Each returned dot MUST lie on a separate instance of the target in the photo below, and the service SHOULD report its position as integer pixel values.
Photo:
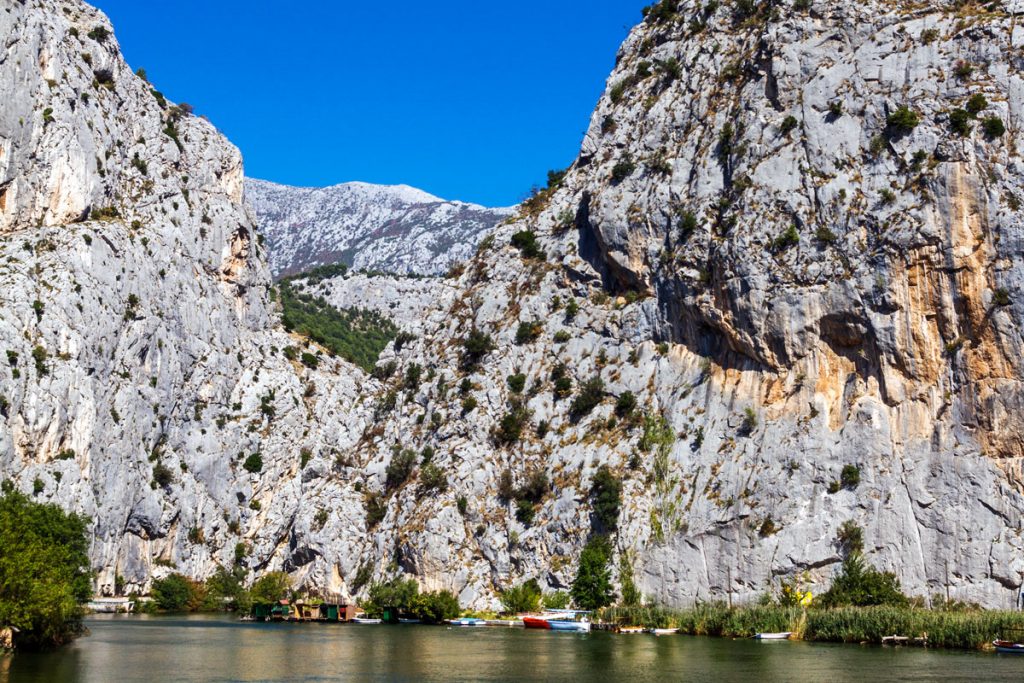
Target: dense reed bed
(967, 629)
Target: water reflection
(205, 648)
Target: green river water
(218, 648)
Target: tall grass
(971, 629)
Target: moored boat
(468, 621)
(536, 622)
(663, 631)
(410, 621)
(782, 635)
(1008, 647)
(363, 620)
(560, 620)
(632, 630)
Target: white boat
(783, 635)
(468, 621)
(663, 631)
(362, 620)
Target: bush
(174, 593)
(787, 239)
(529, 332)
(468, 405)
(271, 587)
(399, 468)
(39, 357)
(976, 104)
(436, 607)
(606, 497)
(860, 585)
(623, 169)
(400, 594)
(432, 478)
(902, 121)
(525, 597)
(99, 33)
(556, 600)
(253, 464)
(590, 395)
(850, 538)
(993, 127)
(571, 309)
(162, 475)
(625, 405)
(510, 427)
(516, 383)
(44, 570)
(960, 122)
(475, 348)
(592, 587)
(526, 242)
(789, 124)
(850, 477)
(1001, 297)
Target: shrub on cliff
(590, 395)
(44, 570)
(606, 494)
(902, 121)
(475, 348)
(522, 598)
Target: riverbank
(962, 629)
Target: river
(218, 648)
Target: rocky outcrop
(395, 229)
(789, 273)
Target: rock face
(397, 229)
(787, 272)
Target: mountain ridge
(395, 228)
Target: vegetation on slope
(355, 334)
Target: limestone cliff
(792, 235)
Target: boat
(1008, 647)
(363, 620)
(560, 620)
(663, 631)
(536, 622)
(409, 621)
(782, 635)
(631, 630)
(468, 621)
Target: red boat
(536, 622)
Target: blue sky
(465, 99)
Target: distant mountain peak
(396, 228)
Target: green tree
(226, 590)
(606, 494)
(436, 607)
(173, 593)
(401, 594)
(44, 570)
(592, 587)
(861, 585)
(271, 587)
